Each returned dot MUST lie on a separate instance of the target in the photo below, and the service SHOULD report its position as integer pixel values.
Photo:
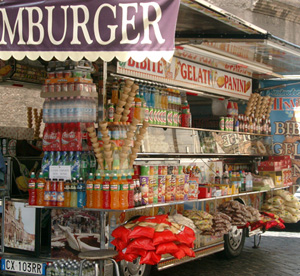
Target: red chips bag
(187, 236)
(151, 258)
(179, 254)
(166, 248)
(119, 244)
(121, 233)
(162, 237)
(140, 231)
(188, 251)
(138, 251)
(144, 243)
(155, 219)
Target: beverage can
(227, 124)
(64, 87)
(71, 86)
(57, 87)
(59, 75)
(78, 86)
(222, 123)
(51, 88)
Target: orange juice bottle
(40, 185)
(123, 193)
(89, 191)
(67, 190)
(98, 193)
(114, 193)
(138, 107)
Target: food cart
(211, 65)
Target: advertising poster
(285, 121)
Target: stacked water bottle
(69, 268)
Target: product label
(105, 187)
(124, 187)
(97, 187)
(151, 115)
(132, 186)
(47, 196)
(53, 196)
(138, 104)
(31, 185)
(114, 187)
(146, 112)
(169, 118)
(89, 186)
(60, 197)
(40, 185)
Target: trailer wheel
(234, 242)
(134, 268)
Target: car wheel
(234, 242)
(134, 268)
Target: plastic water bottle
(75, 164)
(84, 165)
(51, 112)
(93, 163)
(46, 110)
(249, 182)
(70, 110)
(81, 192)
(46, 164)
(64, 110)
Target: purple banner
(93, 28)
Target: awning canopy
(223, 39)
(91, 29)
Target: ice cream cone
(108, 154)
(123, 155)
(117, 117)
(126, 112)
(107, 147)
(129, 100)
(135, 121)
(100, 162)
(134, 87)
(119, 110)
(130, 134)
(97, 150)
(96, 145)
(104, 133)
(90, 129)
(129, 83)
(121, 103)
(98, 156)
(132, 94)
(145, 124)
(125, 149)
(106, 139)
(103, 125)
(137, 144)
(135, 150)
(132, 128)
(93, 134)
(127, 142)
(142, 131)
(124, 97)
(94, 140)
(109, 162)
(126, 90)
(124, 119)
(139, 137)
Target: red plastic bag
(121, 233)
(166, 248)
(162, 237)
(119, 244)
(140, 231)
(187, 236)
(138, 251)
(151, 258)
(154, 219)
(144, 243)
(188, 251)
(179, 254)
(130, 257)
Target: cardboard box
(204, 192)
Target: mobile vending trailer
(218, 63)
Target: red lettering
(183, 70)
(200, 78)
(205, 76)
(159, 67)
(143, 65)
(226, 81)
(190, 72)
(148, 65)
(153, 67)
(194, 74)
(131, 62)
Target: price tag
(60, 172)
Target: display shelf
(67, 94)
(143, 155)
(159, 204)
(199, 253)
(211, 130)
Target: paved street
(277, 255)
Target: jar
(64, 87)
(67, 74)
(57, 87)
(78, 86)
(51, 75)
(71, 86)
(59, 74)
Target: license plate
(36, 268)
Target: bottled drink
(40, 190)
(47, 192)
(67, 190)
(64, 159)
(110, 111)
(65, 137)
(84, 165)
(49, 271)
(131, 188)
(115, 92)
(138, 107)
(46, 164)
(73, 189)
(93, 163)
(89, 191)
(57, 160)
(114, 193)
(116, 159)
(60, 193)
(217, 178)
(75, 164)
(98, 193)
(106, 192)
(53, 199)
(123, 194)
(32, 189)
(80, 193)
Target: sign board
(90, 29)
(285, 121)
(188, 74)
(60, 172)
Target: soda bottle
(110, 112)
(106, 192)
(89, 191)
(131, 187)
(75, 165)
(64, 160)
(57, 159)
(93, 163)
(116, 159)
(47, 140)
(80, 193)
(53, 199)
(47, 192)
(131, 113)
(123, 194)
(60, 193)
(67, 193)
(84, 165)
(98, 193)
(40, 190)
(46, 164)
(65, 137)
(114, 193)
(32, 189)
(73, 190)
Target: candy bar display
(151, 237)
